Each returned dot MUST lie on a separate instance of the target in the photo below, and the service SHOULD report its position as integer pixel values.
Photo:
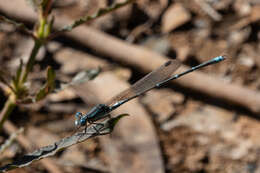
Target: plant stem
(10, 103)
(7, 110)
(29, 65)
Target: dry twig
(102, 128)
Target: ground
(205, 122)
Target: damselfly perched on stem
(154, 79)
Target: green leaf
(48, 86)
(48, 28)
(113, 121)
(50, 76)
(19, 70)
(18, 74)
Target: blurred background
(207, 121)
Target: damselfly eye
(77, 122)
(78, 115)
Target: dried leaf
(79, 78)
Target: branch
(17, 25)
(10, 140)
(102, 128)
(7, 110)
(84, 19)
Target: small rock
(175, 16)
(162, 102)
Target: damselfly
(154, 79)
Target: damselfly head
(78, 117)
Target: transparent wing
(147, 82)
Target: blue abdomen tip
(219, 58)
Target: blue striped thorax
(96, 113)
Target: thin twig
(209, 10)
(10, 140)
(7, 110)
(102, 128)
(84, 19)
(17, 25)
(27, 144)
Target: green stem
(7, 110)
(29, 65)
(42, 27)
